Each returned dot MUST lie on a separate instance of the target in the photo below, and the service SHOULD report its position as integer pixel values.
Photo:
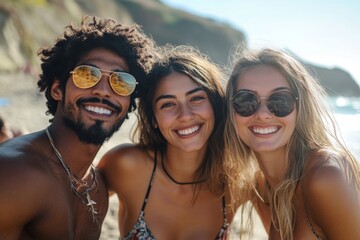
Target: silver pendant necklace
(76, 182)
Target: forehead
(262, 78)
(105, 59)
(174, 84)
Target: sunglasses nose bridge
(263, 108)
(103, 87)
(102, 74)
(106, 75)
(262, 99)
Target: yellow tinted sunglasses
(85, 76)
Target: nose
(185, 113)
(103, 88)
(263, 112)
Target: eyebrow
(173, 96)
(274, 90)
(93, 65)
(281, 88)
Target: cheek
(292, 120)
(162, 121)
(209, 114)
(164, 127)
(239, 122)
(125, 103)
(241, 128)
(72, 93)
(290, 123)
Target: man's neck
(75, 153)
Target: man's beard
(94, 134)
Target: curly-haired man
(49, 188)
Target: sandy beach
(23, 107)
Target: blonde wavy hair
(315, 130)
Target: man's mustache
(97, 100)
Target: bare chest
(68, 216)
(302, 229)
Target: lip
(264, 130)
(101, 103)
(189, 131)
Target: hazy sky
(323, 32)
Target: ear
(56, 92)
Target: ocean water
(347, 115)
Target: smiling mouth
(188, 131)
(99, 110)
(101, 107)
(264, 131)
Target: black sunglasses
(281, 103)
(85, 76)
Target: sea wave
(347, 116)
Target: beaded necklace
(77, 183)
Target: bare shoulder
(125, 156)
(123, 162)
(24, 180)
(328, 194)
(24, 162)
(323, 173)
(24, 154)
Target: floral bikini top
(141, 231)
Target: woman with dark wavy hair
(171, 185)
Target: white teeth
(267, 130)
(98, 110)
(189, 130)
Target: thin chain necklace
(76, 182)
(172, 179)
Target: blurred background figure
(5, 131)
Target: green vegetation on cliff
(27, 25)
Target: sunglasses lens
(245, 103)
(281, 104)
(86, 76)
(122, 83)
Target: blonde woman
(301, 179)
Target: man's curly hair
(128, 42)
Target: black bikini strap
(311, 227)
(224, 210)
(308, 217)
(150, 183)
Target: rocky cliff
(27, 25)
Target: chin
(193, 147)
